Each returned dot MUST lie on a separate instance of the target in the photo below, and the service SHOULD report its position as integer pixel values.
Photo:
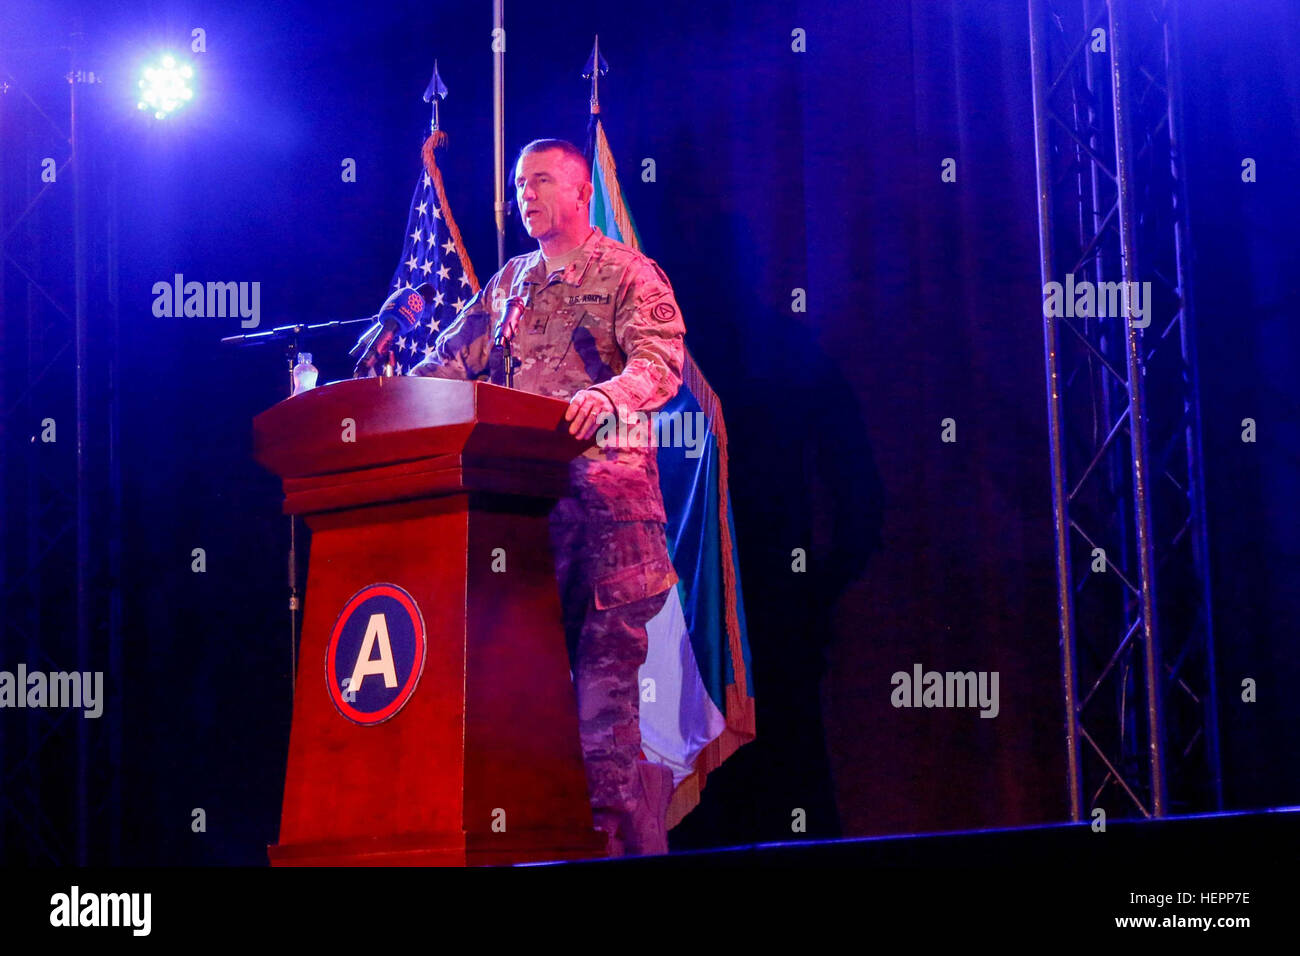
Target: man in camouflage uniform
(601, 330)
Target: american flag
(431, 252)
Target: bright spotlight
(165, 86)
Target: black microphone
(509, 324)
(399, 316)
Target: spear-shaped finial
(435, 93)
(596, 68)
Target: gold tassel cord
(436, 140)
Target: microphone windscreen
(405, 307)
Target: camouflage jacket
(608, 321)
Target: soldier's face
(549, 193)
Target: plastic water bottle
(304, 374)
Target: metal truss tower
(60, 599)
(1137, 645)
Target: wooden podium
(434, 717)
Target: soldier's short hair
(563, 145)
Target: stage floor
(1231, 839)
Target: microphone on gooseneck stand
(508, 324)
(504, 334)
(398, 316)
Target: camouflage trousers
(613, 577)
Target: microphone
(509, 323)
(398, 316)
(504, 334)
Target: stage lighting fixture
(165, 86)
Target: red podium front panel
(430, 598)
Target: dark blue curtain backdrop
(775, 171)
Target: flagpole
(499, 124)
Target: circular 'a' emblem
(375, 654)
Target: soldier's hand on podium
(585, 410)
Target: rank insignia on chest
(590, 298)
(537, 323)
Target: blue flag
(698, 652)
